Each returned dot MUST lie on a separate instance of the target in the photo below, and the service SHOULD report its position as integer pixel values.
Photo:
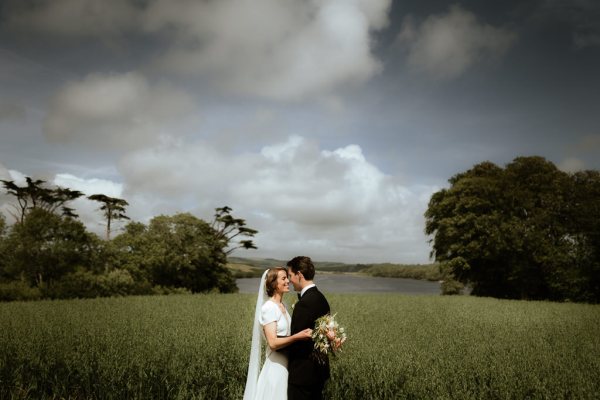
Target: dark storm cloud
(282, 50)
(582, 17)
(77, 18)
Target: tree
(45, 246)
(130, 251)
(113, 209)
(466, 221)
(227, 228)
(511, 232)
(584, 220)
(36, 196)
(177, 251)
(3, 250)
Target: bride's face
(283, 283)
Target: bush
(18, 290)
(86, 284)
(451, 286)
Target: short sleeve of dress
(268, 313)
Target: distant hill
(254, 268)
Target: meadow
(399, 347)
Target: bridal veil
(257, 339)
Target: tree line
(49, 253)
(525, 231)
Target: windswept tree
(2, 244)
(228, 228)
(2, 225)
(113, 209)
(36, 195)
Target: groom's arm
(300, 321)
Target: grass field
(196, 346)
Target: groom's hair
(302, 264)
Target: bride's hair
(271, 280)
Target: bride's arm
(276, 343)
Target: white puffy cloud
(89, 186)
(446, 45)
(328, 204)
(115, 111)
(571, 164)
(281, 49)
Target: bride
(272, 318)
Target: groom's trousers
(296, 392)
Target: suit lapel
(303, 298)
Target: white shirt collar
(306, 288)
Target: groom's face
(295, 279)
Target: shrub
(86, 284)
(451, 286)
(18, 290)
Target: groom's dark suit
(306, 376)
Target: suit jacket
(303, 369)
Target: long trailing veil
(257, 339)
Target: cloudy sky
(326, 124)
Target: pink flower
(330, 334)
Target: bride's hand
(305, 334)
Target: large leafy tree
(44, 247)
(466, 221)
(584, 225)
(511, 233)
(176, 251)
(129, 251)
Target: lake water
(349, 283)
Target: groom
(307, 377)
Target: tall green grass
(196, 346)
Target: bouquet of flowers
(328, 337)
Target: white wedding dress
(273, 378)
(272, 382)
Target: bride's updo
(271, 280)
